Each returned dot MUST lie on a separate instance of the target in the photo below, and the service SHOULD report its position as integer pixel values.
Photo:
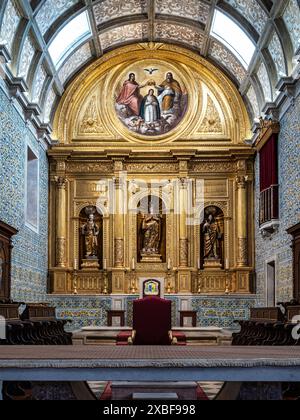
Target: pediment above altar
(162, 96)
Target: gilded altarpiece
(152, 120)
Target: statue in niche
(212, 236)
(151, 231)
(90, 230)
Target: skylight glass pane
(68, 38)
(230, 34)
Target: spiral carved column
(183, 243)
(119, 223)
(61, 212)
(242, 259)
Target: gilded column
(61, 228)
(183, 240)
(242, 229)
(119, 223)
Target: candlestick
(169, 286)
(227, 265)
(76, 265)
(227, 291)
(133, 264)
(199, 291)
(105, 264)
(75, 291)
(105, 290)
(133, 284)
(199, 264)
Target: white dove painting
(151, 99)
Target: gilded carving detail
(119, 252)
(211, 166)
(242, 252)
(87, 156)
(212, 122)
(90, 123)
(223, 205)
(88, 283)
(61, 166)
(61, 252)
(214, 281)
(242, 182)
(89, 167)
(85, 113)
(241, 165)
(61, 182)
(152, 167)
(184, 252)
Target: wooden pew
(268, 327)
(271, 327)
(37, 325)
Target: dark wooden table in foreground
(106, 363)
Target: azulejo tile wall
(216, 311)
(83, 311)
(278, 246)
(222, 311)
(30, 253)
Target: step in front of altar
(179, 390)
(122, 339)
(190, 336)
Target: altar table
(134, 363)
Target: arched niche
(212, 249)
(148, 206)
(83, 218)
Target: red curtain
(269, 163)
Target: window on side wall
(32, 190)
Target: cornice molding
(265, 131)
(17, 89)
(289, 88)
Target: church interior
(149, 199)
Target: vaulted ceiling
(45, 43)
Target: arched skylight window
(230, 34)
(69, 37)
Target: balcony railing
(269, 205)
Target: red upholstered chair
(152, 322)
